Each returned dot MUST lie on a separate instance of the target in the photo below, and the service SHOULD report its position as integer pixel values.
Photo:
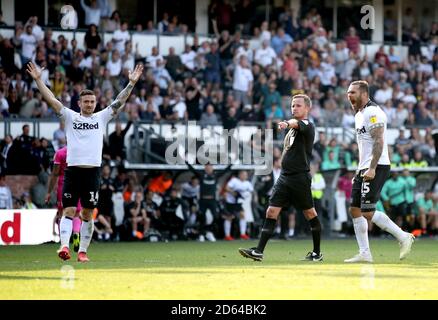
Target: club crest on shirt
(361, 130)
(373, 119)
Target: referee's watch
(287, 124)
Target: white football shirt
(370, 117)
(85, 136)
(243, 187)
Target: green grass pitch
(199, 271)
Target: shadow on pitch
(11, 277)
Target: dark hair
(86, 92)
(114, 13)
(363, 86)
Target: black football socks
(267, 232)
(315, 227)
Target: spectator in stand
(174, 64)
(2, 23)
(414, 44)
(237, 190)
(243, 81)
(150, 28)
(408, 22)
(271, 97)
(330, 162)
(389, 27)
(161, 76)
(209, 117)
(117, 142)
(353, 41)
(92, 12)
(120, 36)
(5, 147)
(105, 203)
(166, 110)
(150, 114)
(223, 14)
(244, 50)
(384, 94)
(161, 183)
(28, 45)
(410, 184)
(280, 40)
(92, 38)
(394, 196)
(188, 59)
(5, 193)
(59, 137)
(26, 199)
(172, 215)
(163, 25)
(212, 69)
(423, 208)
(114, 22)
(265, 56)
(137, 215)
(423, 115)
(418, 160)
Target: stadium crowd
(227, 80)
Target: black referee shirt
(298, 148)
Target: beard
(356, 104)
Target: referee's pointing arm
(285, 124)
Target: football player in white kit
(373, 170)
(84, 131)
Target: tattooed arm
(124, 94)
(377, 135)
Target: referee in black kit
(293, 185)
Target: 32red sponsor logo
(10, 229)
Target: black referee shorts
(365, 194)
(292, 190)
(81, 183)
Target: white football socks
(361, 230)
(227, 227)
(384, 223)
(87, 229)
(65, 228)
(242, 225)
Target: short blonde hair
(363, 86)
(307, 100)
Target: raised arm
(226, 170)
(35, 73)
(193, 170)
(124, 94)
(128, 125)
